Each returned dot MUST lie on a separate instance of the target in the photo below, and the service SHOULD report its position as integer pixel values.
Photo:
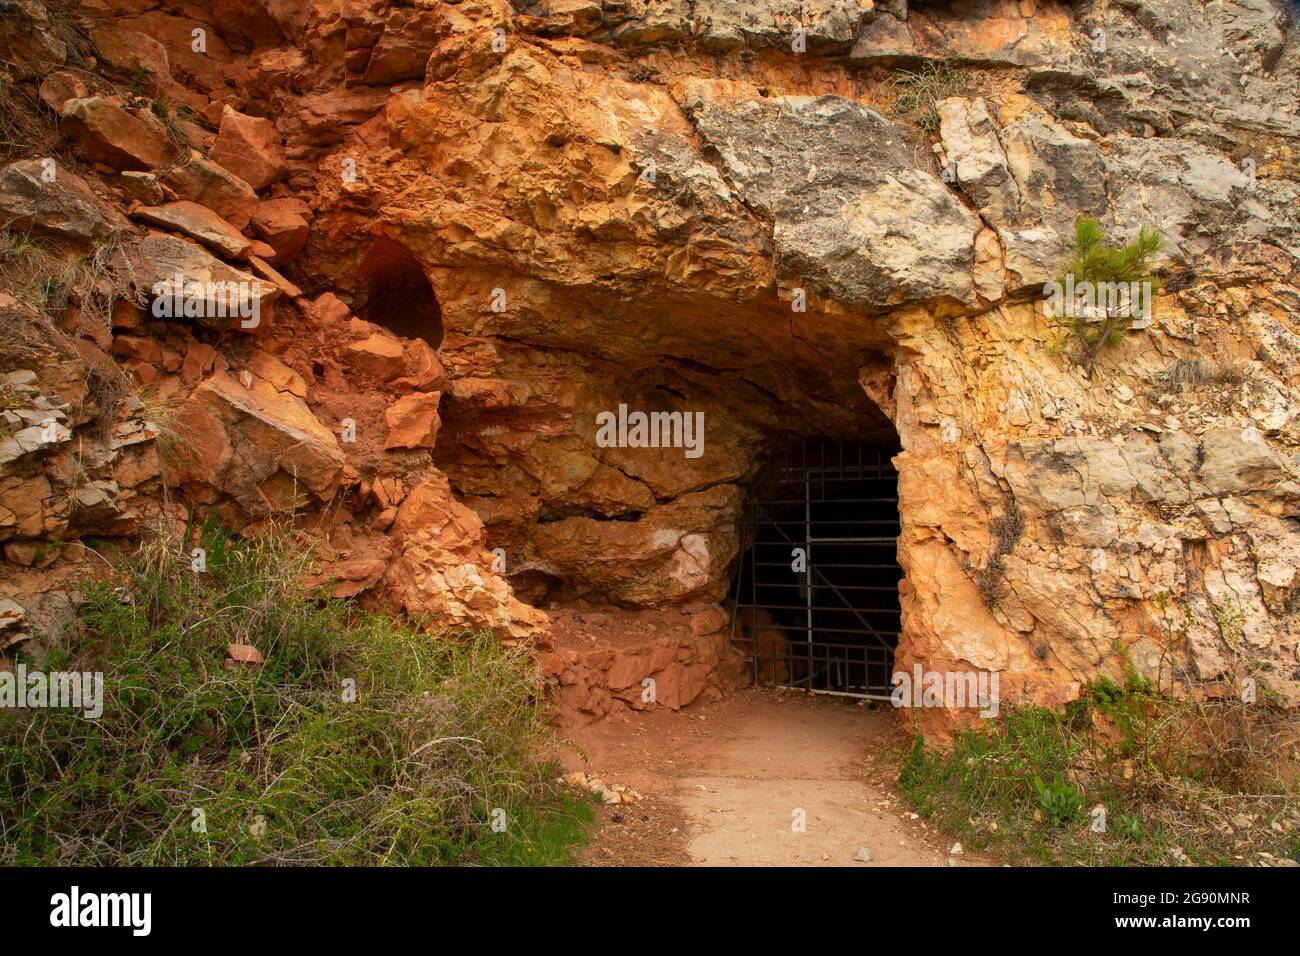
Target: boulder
(134, 53)
(107, 133)
(63, 85)
(142, 187)
(249, 147)
(65, 208)
(262, 448)
(215, 294)
(379, 355)
(282, 223)
(197, 222)
(412, 421)
(209, 184)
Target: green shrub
(441, 736)
(1059, 801)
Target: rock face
(472, 248)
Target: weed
(173, 117)
(1059, 801)
(917, 94)
(1169, 772)
(1195, 372)
(1006, 531)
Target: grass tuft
(916, 94)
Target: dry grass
(56, 285)
(1195, 372)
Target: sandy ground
(725, 783)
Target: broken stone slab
(99, 507)
(142, 187)
(977, 161)
(187, 282)
(107, 133)
(133, 431)
(197, 222)
(11, 614)
(412, 421)
(210, 184)
(282, 223)
(263, 448)
(13, 623)
(379, 355)
(33, 439)
(40, 198)
(249, 147)
(268, 272)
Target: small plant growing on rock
(916, 94)
(1101, 290)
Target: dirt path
(723, 784)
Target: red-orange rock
(197, 222)
(265, 449)
(283, 224)
(202, 181)
(249, 147)
(327, 309)
(379, 355)
(106, 133)
(412, 421)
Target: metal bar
(811, 476)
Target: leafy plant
(1087, 330)
(1060, 802)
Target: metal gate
(816, 595)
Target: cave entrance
(816, 595)
(396, 293)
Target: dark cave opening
(396, 294)
(816, 595)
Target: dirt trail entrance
(722, 783)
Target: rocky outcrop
(472, 230)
